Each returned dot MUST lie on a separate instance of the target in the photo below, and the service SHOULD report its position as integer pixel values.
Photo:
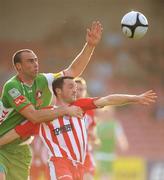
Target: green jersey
(15, 158)
(105, 155)
(106, 132)
(17, 95)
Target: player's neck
(61, 102)
(25, 79)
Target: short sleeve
(85, 103)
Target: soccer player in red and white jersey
(66, 137)
(89, 162)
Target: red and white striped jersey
(90, 125)
(65, 136)
(90, 122)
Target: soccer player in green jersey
(26, 94)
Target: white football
(134, 25)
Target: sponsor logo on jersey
(14, 93)
(19, 100)
(63, 129)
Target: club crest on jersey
(14, 93)
(38, 96)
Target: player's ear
(18, 66)
(58, 91)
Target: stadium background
(55, 30)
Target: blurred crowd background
(55, 31)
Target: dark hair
(17, 55)
(58, 83)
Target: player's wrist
(135, 98)
(64, 110)
(67, 110)
(90, 45)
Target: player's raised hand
(94, 33)
(147, 98)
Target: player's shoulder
(85, 103)
(41, 75)
(12, 82)
(45, 76)
(12, 87)
(81, 101)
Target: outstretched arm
(93, 37)
(122, 99)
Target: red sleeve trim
(27, 129)
(24, 107)
(85, 103)
(48, 107)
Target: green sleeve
(13, 97)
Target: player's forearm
(80, 62)
(44, 115)
(8, 137)
(49, 115)
(116, 100)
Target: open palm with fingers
(147, 98)
(94, 33)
